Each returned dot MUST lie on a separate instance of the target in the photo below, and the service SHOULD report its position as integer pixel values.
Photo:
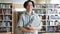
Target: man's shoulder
(35, 14)
(23, 14)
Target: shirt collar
(31, 13)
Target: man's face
(29, 6)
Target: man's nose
(29, 5)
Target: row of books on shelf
(5, 29)
(52, 11)
(41, 11)
(47, 6)
(50, 29)
(54, 24)
(5, 6)
(48, 11)
(53, 29)
(6, 11)
(50, 17)
(5, 18)
(5, 24)
(51, 23)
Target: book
(52, 23)
(0, 11)
(0, 5)
(8, 6)
(50, 29)
(8, 29)
(3, 24)
(49, 6)
(4, 11)
(6, 18)
(8, 24)
(0, 23)
(7, 11)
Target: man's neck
(29, 12)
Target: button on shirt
(25, 18)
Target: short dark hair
(26, 3)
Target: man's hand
(30, 27)
(34, 28)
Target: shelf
(44, 8)
(42, 31)
(43, 25)
(8, 20)
(51, 14)
(51, 25)
(1, 20)
(38, 8)
(47, 14)
(40, 14)
(1, 14)
(44, 19)
(5, 26)
(6, 33)
(7, 14)
(5, 8)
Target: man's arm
(20, 25)
(34, 28)
(25, 30)
(37, 27)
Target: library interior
(47, 10)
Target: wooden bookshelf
(6, 20)
(6, 33)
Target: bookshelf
(6, 24)
(50, 14)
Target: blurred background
(47, 10)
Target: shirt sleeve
(20, 22)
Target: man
(29, 22)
